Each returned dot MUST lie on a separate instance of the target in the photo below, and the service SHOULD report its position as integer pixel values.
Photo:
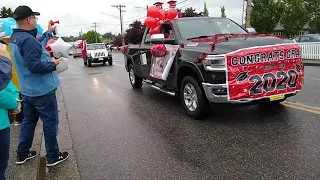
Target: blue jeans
(46, 108)
(4, 151)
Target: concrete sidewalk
(311, 62)
(31, 170)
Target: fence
(310, 50)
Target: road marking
(119, 65)
(312, 78)
(302, 107)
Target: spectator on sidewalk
(8, 102)
(38, 84)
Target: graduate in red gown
(173, 4)
(83, 47)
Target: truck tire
(110, 62)
(193, 98)
(135, 81)
(89, 63)
(84, 62)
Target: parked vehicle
(214, 60)
(307, 38)
(76, 52)
(97, 53)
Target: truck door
(145, 55)
(145, 50)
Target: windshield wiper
(198, 37)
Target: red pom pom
(159, 50)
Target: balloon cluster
(155, 16)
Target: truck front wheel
(135, 81)
(193, 98)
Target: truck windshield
(99, 46)
(90, 47)
(206, 27)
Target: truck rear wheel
(135, 81)
(193, 98)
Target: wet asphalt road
(121, 133)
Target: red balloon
(151, 22)
(47, 47)
(162, 14)
(154, 12)
(155, 30)
(172, 13)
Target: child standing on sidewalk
(8, 102)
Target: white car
(97, 53)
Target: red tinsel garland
(215, 39)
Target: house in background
(279, 30)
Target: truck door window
(167, 30)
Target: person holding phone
(9, 105)
(38, 83)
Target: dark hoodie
(5, 72)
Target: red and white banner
(161, 65)
(260, 72)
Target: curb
(311, 64)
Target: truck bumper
(101, 59)
(218, 93)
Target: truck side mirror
(251, 30)
(157, 38)
(160, 38)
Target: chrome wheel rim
(190, 97)
(131, 76)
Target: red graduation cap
(158, 5)
(172, 3)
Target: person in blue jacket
(8, 102)
(38, 82)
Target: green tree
(205, 11)
(294, 17)
(9, 12)
(109, 36)
(223, 12)
(92, 36)
(135, 33)
(313, 9)
(5, 12)
(190, 12)
(266, 14)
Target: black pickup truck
(218, 61)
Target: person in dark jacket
(8, 102)
(38, 84)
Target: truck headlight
(214, 62)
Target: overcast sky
(76, 14)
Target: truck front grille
(99, 54)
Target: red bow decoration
(159, 50)
(155, 17)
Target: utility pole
(121, 20)
(95, 30)
(248, 14)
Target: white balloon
(60, 48)
(62, 66)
